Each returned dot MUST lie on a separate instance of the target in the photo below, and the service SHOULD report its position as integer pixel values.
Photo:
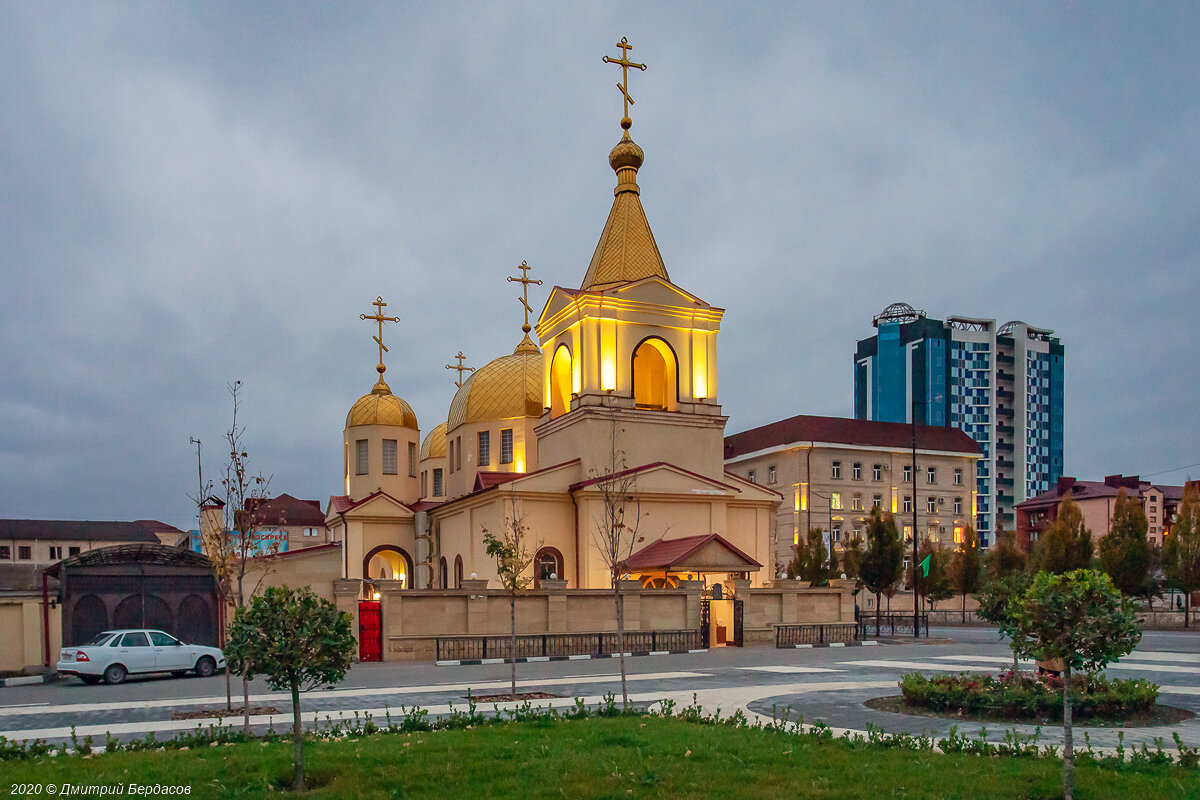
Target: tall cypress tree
(1125, 550)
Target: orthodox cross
(379, 317)
(624, 84)
(460, 368)
(525, 280)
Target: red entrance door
(370, 631)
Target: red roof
(288, 510)
(840, 430)
(486, 480)
(672, 553)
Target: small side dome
(434, 445)
(504, 388)
(381, 407)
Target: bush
(1026, 695)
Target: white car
(112, 655)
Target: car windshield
(97, 640)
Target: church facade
(609, 422)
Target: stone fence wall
(413, 620)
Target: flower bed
(1024, 694)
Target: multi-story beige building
(46, 541)
(833, 471)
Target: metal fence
(792, 635)
(467, 648)
(890, 625)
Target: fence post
(485, 647)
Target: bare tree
(237, 546)
(615, 533)
(513, 558)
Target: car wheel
(205, 667)
(114, 674)
(90, 680)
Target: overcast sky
(196, 193)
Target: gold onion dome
(627, 154)
(504, 388)
(381, 407)
(434, 445)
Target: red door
(370, 631)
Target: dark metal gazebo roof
(140, 553)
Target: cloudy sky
(197, 193)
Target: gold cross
(625, 63)
(460, 368)
(525, 280)
(380, 318)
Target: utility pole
(916, 577)
(200, 494)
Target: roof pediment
(707, 553)
(377, 504)
(663, 478)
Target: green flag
(925, 565)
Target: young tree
(1181, 549)
(795, 568)
(964, 567)
(1005, 557)
(298, 641)
(816, 567)
(1081, 618)
(1066, 543)
(1125, 549)
(934, 584)
(513, 559)
(881, 561)
(852, 555)
(999, 602)
(615, 533)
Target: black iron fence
(468, 648)
(891, 625)
(792, 635)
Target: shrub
(1026, 695)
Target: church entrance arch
(655, 375)
(389, 563)
(560, 382)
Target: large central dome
(381, 407)
(506, 387)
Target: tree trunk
(620, 607)
(964, 609)
(879, 610)
(246, 706)
(1187, 608)
(1068, 751)
(512, 641)
(298, 738)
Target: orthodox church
(620, 389)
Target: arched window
(546, 562)
(389, 563)
(458, 572)
(654, 375)
(560, 382)
(443, 574)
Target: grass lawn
(618, 757)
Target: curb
(30, 680)
(868, 643)
(470, 662)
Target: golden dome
(506, 387)
(381, 407)
(627, 153)
(434, 445)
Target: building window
(72, 551)
(835, 501)
(931, 475)
(424, 483)
(506, 446)
(771, 474)
(932, 505)
(958, 534)
(752, 476)
(907, 505)
(877, 472)
(437, 481)
(836, 534)
(24, 553)
(907, 474)
(389, 456)
(412, 460)
(55, 552)
(458, 452)
(856, 502)
(485, 448)
(958, 505)
(857, 468)
(958, 477)
(5, 552)
(907, 538)
(360, 457)
(310, 531)
(451, 464)
(836, 470)
(877, 501)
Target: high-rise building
(1002, 385)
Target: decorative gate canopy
(711, 553)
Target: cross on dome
(380, 318)
(625, 64)
(460, 369)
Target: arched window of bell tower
(655, 384)
(560, 382)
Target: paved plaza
(828, 685)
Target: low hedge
(1027, 695)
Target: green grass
(622, 757)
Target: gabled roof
(513, 477)
(67, 529)
(288, 510)
(705, 553)
(340, 504)
(840, 430)
(485, 479)
(646, 468)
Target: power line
(1165, 471)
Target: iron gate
(704, 617)
(370, 631)
(737, 623)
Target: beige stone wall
(402, 486)
(317, 569)
(22, 628)
(460, 482)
